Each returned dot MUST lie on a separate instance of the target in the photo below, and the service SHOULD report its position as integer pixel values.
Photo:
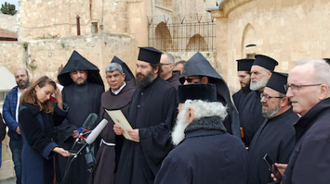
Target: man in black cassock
(82, 91)
(199, 70)
(118, 97)
(205, 152)
(151, 115)
(244, 77)
(166, 70)
(250, 113)
(276, 136)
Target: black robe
(239, 98)
(205, 156)
(276, 137)
(82, 101)
(108, 156)
(251, 116)
(152, 111)
(310, 158)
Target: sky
(15, 2)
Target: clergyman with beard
(204, 152)
(10, 115)
(244, 77)
(151, 116)
(276, 136)
(83, 87)
(250, 114)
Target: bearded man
(250, 113)
(151, 116)
(276, 136)
(205, 152)
(10, 115)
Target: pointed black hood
(198, 65)
(78, 62)
(126, 70)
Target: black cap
(327, 60)
(244, 64)
(150, 55)
(204, 92)
(277, 82)
(265, 61)
(126, 70)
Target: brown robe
(108, 156)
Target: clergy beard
(259, 84)
(143, 81)
(271, 112)
(178, 130)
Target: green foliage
(8, 9)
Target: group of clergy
(231, 141)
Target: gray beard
(145, 81)
(260, 84)
(178, 130)
(23, 86)
(271, 113)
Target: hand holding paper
(118, 117)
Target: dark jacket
(174, 79)
(9, 113)
(205, 156)
(37, 133)
(2, 130)
(310, 159)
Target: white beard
(259, 84)
(178, 130)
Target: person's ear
(324, 92)
(190, 115)
(205, 80)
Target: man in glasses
(244, 76)
(199, 70)
(250, 114)
(166, 70)
(276, 136)
(308, 90)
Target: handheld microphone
(96, 132)
(88, 124)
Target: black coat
(251, 116)
(206, 157)
(2, 129)
(152, 111)
(239, 98)
(37, 133)
(276, 137)
(310, 159)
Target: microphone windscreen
(90, 121)
(96, 132)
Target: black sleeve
(2, 129)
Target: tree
(8, 9)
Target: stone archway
(163, 37)
(197, 42)
(249, 42)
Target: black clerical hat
(265, 61)
(327, 60)
(204, 92)
(277, 82)
(244, 64)
(150, 55)
(126, 70)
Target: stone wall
(287, 30)
(9, 22)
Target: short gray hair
(113, 67)
(170, 58)
(322, 70)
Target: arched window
(163, 37)
(197, 43)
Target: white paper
(118, 117)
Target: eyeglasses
(296, 88)
(190, 79)
(164, 63)
(267, 97)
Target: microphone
(96, 132)
(87, 125)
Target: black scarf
(208, 123)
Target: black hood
(126, 70)
(78, 62)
